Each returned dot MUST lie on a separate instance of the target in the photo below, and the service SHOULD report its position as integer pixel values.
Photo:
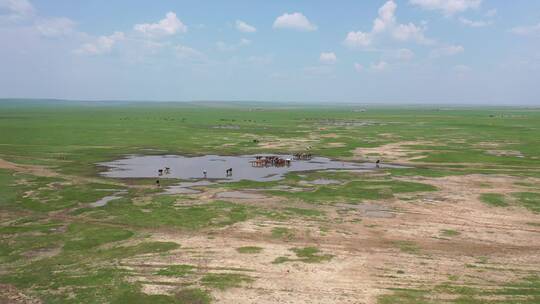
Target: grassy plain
(458, 225)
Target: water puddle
(290, 189)
(239, 195)
(102, 202)
(370, 210)
(214, 167)
(323, 181)
(210, 169)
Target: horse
(160, 171)
(228, 172)
(167, 170)
(377, 163)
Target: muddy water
(186, 187)
(102, 202)
(192, 168)
(240, 195)
(323, 181)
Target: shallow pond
(190, 168)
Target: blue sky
(400, 51)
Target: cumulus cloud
(294, 21)
(186, 53)
(404, 54)
(101, 45)
(527, 30)
(447, 7)
(474, 23)
(386, 18)
(19, 10)
(55, 27)
(16, 9)
(357, 39)
(386, 23)
(358, 67)
(170, 25)
(244, 27)
(410, 31)
(450, 50)
(328, 58)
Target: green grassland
(56, 248)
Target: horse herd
(270, 161)
(302, 156)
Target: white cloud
(101, 45)
(379, 66)
(295, 21)
(224, 47)
(386, 23)
(527, 30)
(358, 67)
(450, 50)
(328, 58)
(448, 7)
(357, 39)
(387, 17)
(16, 9)
(165, 27)
(55, 27)
(404, 54)
(244, 27)
(406, 32)
(186, 53)
(474, 23)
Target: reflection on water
(190, 168)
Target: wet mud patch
(323, 181)
(105, 200)
(239, 195)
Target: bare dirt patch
(28, 169)
(10, 294)
(511, 153)
(372, 253)
(289, 144)
(393, 152)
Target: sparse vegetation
(224, 281)
(494, 199)
(249, 249)
(176, 270)
(56, 248)
(193, 296)
(530, 200)
(305, 255)
(450, 232)
(282, 233)
(407, 246)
